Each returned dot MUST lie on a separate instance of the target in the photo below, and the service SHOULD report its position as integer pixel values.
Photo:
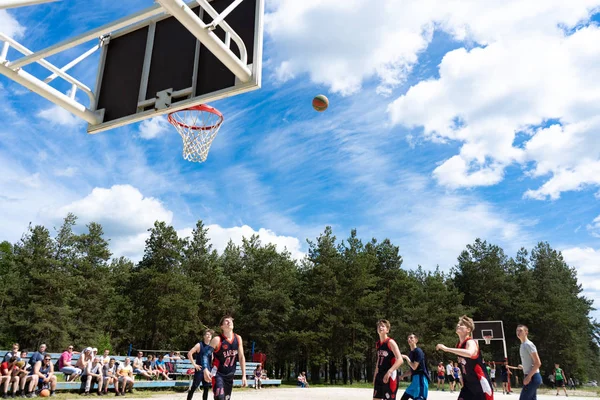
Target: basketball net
(198, 126)
(488, 339)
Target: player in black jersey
(227, 349)
(476, 382)
(195, 357)
(389, 359)
(419, 376)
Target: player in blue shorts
(419, 386)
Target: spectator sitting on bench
(138, 366)
(13, 353)
(38, 356)
(257, 377)
(161, 368)
(8, 378)
(106, 358)
(93, 375)
(109, 376)
(125, 373)
(65, 366)
(149, 366)
(26, 374)
(45, 372)
(84, 359)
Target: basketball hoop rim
(488, 339)
(201, 107)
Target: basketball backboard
(168, 57)
(492, 331)
(495, 329)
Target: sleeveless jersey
(385, 356)
(44, 370)
(199, 354)
(226, 356)
(474, 373)
(559, 374)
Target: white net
(488, 339)
(198, 127)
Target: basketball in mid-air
(320, 103)
(44, 393)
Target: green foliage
(317, 314)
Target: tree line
(317, 314)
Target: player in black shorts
(389, 359)
(226, 349)
(195, 357)
(476, 381)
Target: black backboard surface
(482, 328)
(162, 54)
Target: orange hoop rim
(201, 107)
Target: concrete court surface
(339, 393)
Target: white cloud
(485, 97)
(594, 228)
(122, 210)
(59, 116)
(587, 262)
(154, 127)
(10, 26)
(68, 172)
(341, 43)
(32, 181)
(220, 237)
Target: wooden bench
(182, 379)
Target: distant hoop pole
(21, 3)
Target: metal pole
(86, 37)
(21, 3)
(187, 18)
(48, 92)
(51, 67)
(4, 52)
(73, 63)
(224, 13)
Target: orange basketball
(44, 393)
(320, 103)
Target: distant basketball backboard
(169, 57)
(490, 331)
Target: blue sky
(445, 124)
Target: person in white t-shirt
(530, 364)
(94, 375)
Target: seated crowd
(25, 376)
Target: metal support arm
(202, 32)
(48, 92)
(21, 3)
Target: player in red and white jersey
(389, 359)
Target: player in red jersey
(389, 359)
(476, 382)
(227, 349)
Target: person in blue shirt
(195, 357)
(419, 386)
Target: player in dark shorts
(476, 382)
(195, 357)
(226, 349)
(389, 359)
(419, 377)
(559, 378)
